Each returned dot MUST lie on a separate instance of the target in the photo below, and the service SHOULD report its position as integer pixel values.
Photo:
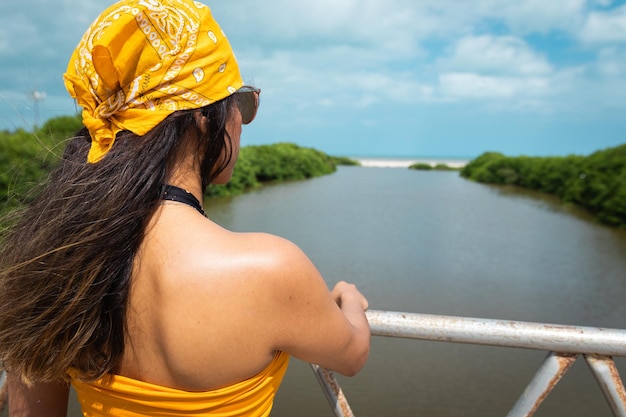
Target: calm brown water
(431, 242)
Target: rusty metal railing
(565, 345)
(4, 391)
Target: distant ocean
(376, 162)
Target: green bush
(26, 158)
(421, 166)
(274, 163)
(444, 167)
(596, 182)
(57, 130)
(343, 160)
(244, 178)
(287, 161)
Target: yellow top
(142, 60)
(118, 396)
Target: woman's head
(143, 60)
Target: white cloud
(605, 27)
(360, 52)
(499, 55)
(338, 81)
(349, 56)
(355, 54)
(386, 29)
(393, 22)
(612, 62)
(467, 85)
(527, 16)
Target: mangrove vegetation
(259, 164)
(26, 159)
(596, 182)
(423, 166)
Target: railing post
(605, 372)
(333, 392)
(552, 370)
(4, 389)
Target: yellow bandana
(141, 60)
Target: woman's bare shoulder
(263, 266)
(203, 250)
(272, 247)
(249, 249)
(198, 242)
(266, 258)
(197, 259)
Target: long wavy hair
(65, 267)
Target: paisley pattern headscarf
(141, 60)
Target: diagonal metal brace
(333, 392)
(549, 374)
(604, 370)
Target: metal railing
(4, 389)
(564, 344)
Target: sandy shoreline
(406, 162)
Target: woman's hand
(344, 290)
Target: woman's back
(220, 304)
(194, 291)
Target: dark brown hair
(65, 268)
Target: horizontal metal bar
(550, 337)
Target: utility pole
(36, 96)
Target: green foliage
(444, 167)
(596, 182)
(244, 178)
(274, 163)
(343, 160)
(26, 158)
(57, 130)
(421, 166)
(286, 161)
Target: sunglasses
(248, 99)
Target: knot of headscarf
(141, 60)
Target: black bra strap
(173, 193)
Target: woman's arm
(41, 399)
(328, 328)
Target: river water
(432, 242)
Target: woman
(116, 281)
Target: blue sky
(391, 78)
